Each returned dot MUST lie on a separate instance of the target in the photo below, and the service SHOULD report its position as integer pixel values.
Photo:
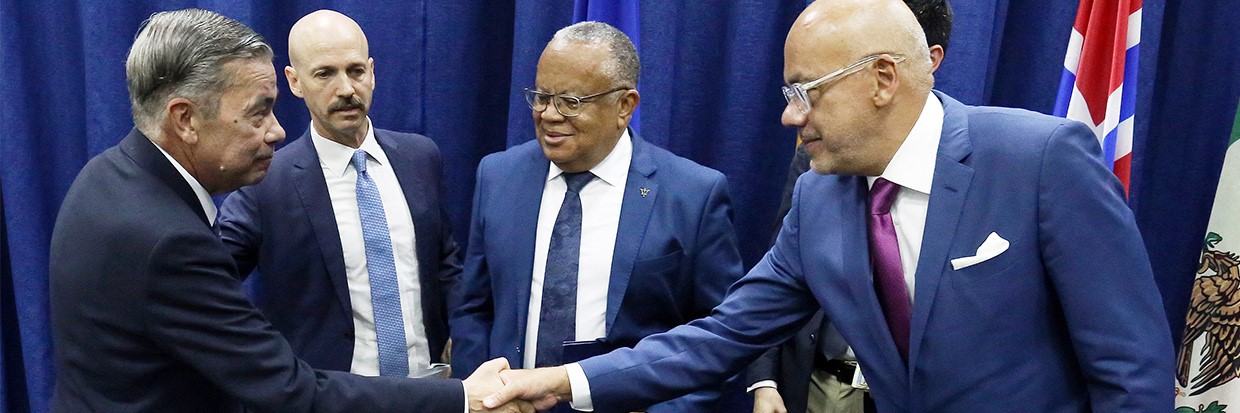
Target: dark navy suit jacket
(148, 314)
(285, 226)
(675, 256)
(1067, 319)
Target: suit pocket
(987, 269)
(658, 264)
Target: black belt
(843, 370)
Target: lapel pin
(644, 191)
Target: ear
(180, 120)
(886, 81)
(936, 57)
(294, 82)
(628, 104)
(371, 62)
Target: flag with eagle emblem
(1210, 353)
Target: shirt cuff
(761, 384)
(581, 388)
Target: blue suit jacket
(148, 314)
(674, 259)
(285, 226)
(1068, 319)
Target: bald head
(324, 30)
(331, 69)
(854, 122)
(842, 31)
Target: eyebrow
(261, 104)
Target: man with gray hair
(147, 310)
(589, 238)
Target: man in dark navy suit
(303, 231)
(147, 309)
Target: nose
(551, 113)
(346, 85)
(792, 117)
(276, 133)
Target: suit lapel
(855, 265)
(640, 193)
(950, 187)
(311, 190)
(415, 188)
(521, 213)
(144, 153)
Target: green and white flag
(1210, 353)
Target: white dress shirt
(912, 168)
(341, 177)
(600, 219)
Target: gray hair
(182, 53)
(623, 66)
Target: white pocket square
(992, 247)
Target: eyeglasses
(568, 105)
(797, 94)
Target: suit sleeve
(717, 263)
(196, 311)
(761, 310)
(472, 319)
(1103, 278)
(766, 367)
(241, 229)
(449, 252)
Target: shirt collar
(614, 168)
(912, 166)
(335, 157)
(204, 198)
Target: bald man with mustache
(348, 235)
(977, 259)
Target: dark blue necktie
(557, 320)
(381, 267)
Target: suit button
(518, 349)
(813, 338)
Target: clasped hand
(541, 388)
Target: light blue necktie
(384, 294)
(557, 320)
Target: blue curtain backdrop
(454, 70)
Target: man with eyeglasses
(813, 372)
(589, 235)
(978, 259)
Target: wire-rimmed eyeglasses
(797, 94)
(568, 105)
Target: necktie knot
(577, 180)
(882, 195)
(359, 161)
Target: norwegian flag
(1101, 59)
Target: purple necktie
(885, 260)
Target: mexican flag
(1210, 354)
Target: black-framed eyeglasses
(797, 94)
(568, 105)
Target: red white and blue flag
(1099, 80)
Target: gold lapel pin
(644, 191)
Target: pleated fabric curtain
(711, 72)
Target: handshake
(494, 387)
